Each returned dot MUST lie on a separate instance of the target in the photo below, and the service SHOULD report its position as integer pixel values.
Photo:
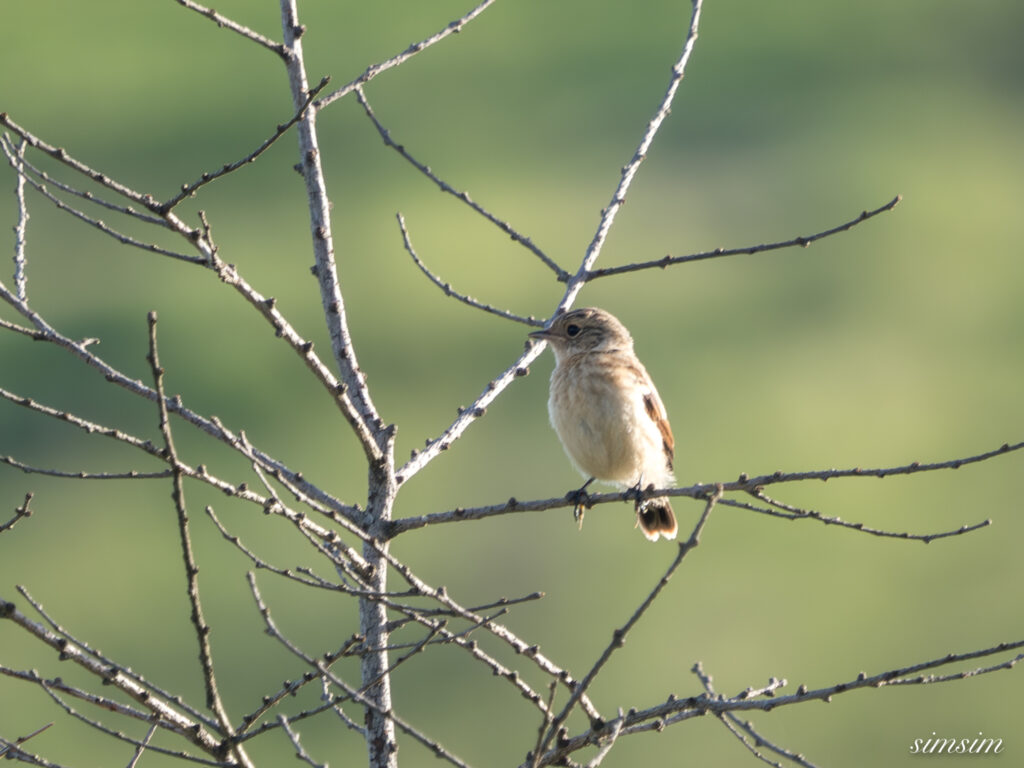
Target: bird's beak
(542, 335)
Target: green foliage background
(896, 342)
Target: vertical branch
(376, 437)
(369, 427)
(20, 276)
(213, 700)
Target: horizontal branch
(745, 484)
(676, 710)
(131, 474)
(798, 241)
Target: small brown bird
(607, 413)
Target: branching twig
(19, 512)
(619, 635)
(799, 241)
(629, 171)
(300, 751)
(504, 226)
(7, 745)
(223, 21)
(131, 474)
(375, 69)
(188, 190)
(677, 710)
(449, 291)
(213, 698)
(192, 730)
(735, 725)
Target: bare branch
(223, 21)
(129, 475)
(735, 725)
(21, 740)
(99, 224)
(375, 69)
(213, 699)
(19, 513)
(745, 484)
(87, 649)
(360, 696)
(677, 710)
(192, 730)
(576, 282)
(373, 434)
(45, 177)
(20, 259)
(504, 226)
(188, 190)
(619, 635)
(449, 291)
(467, 416)
(799, 241)
(142, 747)
(300, 751)
(62, 156)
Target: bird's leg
(637, 492)
(580, 499)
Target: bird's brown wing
(656, 410)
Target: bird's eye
(572, 330)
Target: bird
(608, 414)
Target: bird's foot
(581, 501)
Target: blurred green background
(898, 341)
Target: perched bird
(607, 413)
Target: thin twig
(799, 241)
(19, 513)
(629, 171)
(734, 724)
(21, 740)
(101, 225)
(111, 665)
(44, 177)
(202, 629)
(619, 635)
(131, 474)
(123, 680)
(223, 21)
(444, 186)
(62, 156)
(142, 747)
(607, 746)
(375, 69)
(449, 291)
(354, 694)
(300, 751)
(188, 190)
(677, 710)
